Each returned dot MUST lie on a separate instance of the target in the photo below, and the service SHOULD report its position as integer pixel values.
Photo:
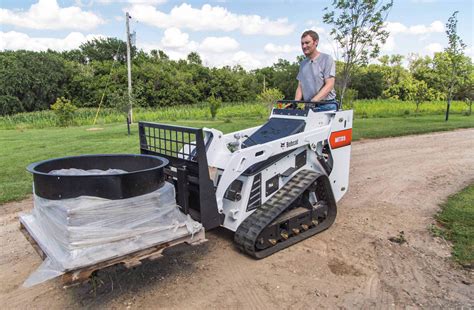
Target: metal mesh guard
(168, 140)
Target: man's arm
(299, 92)
(323, 93)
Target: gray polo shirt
(313, 73)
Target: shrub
(468, 102)
(349, 97)
(421, 93)
(270, 96)
(214, 105)
(10, 105)
(64, 110)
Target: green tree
(264, 77)
(73, 55)
(269, 96)
(436, 72)
(403, 90)
(358, 28)
(159, 54)
(466, 89)
(401, 84)
(226, 84)
(421, 93)
(424, 69)
(455, 54)
(10, 105)
(103, 49)
(83, 85)
(64, 110)
(281, 75)
(194, 58)
(368, 82)
(442, 68)
(468, 102)
(284, 77)
(35, 79)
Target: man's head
(309, 43)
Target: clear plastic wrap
(79, 232)
(74, 171)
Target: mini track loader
(273, 185)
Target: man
(316, 76)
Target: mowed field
(30, 137)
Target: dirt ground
(396, 185)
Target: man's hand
(291, 106)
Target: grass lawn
(401, 126)
(20, 147)
(457, 225)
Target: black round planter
(144, 175)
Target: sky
(252, 34)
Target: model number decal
(340, 138)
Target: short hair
(313, 34)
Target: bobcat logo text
(288, 144)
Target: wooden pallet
(76, 276)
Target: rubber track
(247, 233)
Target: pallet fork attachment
(188, 170)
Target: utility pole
(129, 71)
